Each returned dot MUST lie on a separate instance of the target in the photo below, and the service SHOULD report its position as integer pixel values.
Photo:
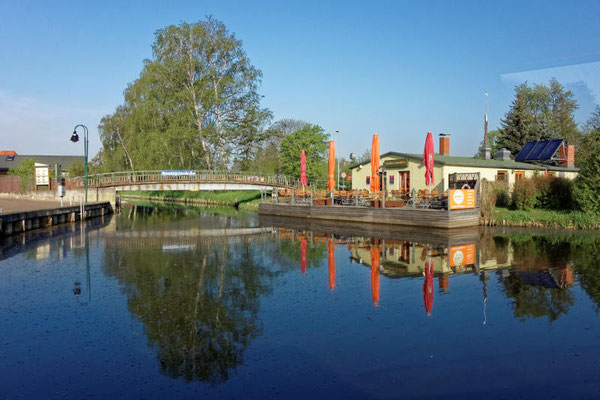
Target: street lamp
(75, 139)
(338, 159)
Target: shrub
(524, 194)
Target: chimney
(444, 144)
(567, 156)
(502, 155)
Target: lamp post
(338, 159)
(75, 139)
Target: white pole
(338, 160)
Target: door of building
(404, 181)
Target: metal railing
(191, 176)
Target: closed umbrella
(375, 274)
(303, 256)
(428, 287)
(428, 159)
(303, 169)
(331, 263)
(331, 175)
(375, 164)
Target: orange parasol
(331, 176)
(331, 262)
(375, 274)
(375, 164)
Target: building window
(501, 177)
(519, 175)
(368, 180)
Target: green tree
(539, 112)
(25, 170)
(492, 142)
(313, 140)
(194, 104)
(77, 168)
(587, 184)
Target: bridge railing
(191, 176)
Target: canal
(186, 302)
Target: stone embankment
(22, 221)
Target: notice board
(461, 198)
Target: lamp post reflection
(88, 285)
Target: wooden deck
(393, 216)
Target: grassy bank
(244, 199)
(544, 219)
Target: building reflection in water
(537, 284)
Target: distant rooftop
(473, 162)
(9, 161)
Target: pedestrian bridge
(183, 180)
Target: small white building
(406, 171)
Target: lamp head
(74, 137)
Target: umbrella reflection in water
(303, 256)
(331, 262)
(428, 286)
(375, 274)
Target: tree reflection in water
(199, 307)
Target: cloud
(31, 126)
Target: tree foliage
(492, 143)
(587, 184)
(195, 104)
(313, 140)
(539, 112)
(25, 170)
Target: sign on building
(398, 163)
(461, 198)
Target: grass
(547, 218)
(233, 198)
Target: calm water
(174, 303)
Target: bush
(524, 194)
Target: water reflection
(535, 270)
(218, 295)
(196, 292)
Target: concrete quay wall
(28, 220)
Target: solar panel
(537, 150)
(524, 151)
(550, 149)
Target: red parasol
(331, 179)
(428, 287)
(303, 256)
(375, 164)
(428, 159)
(303, 169)
(375, 274)
(331, 262)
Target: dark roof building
(10, 161)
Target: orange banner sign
(462, 255)
(461, 198)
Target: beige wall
(441, 172)
(417, 175)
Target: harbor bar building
(405, 172)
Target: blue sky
(395, 68)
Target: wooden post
(311, 196)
